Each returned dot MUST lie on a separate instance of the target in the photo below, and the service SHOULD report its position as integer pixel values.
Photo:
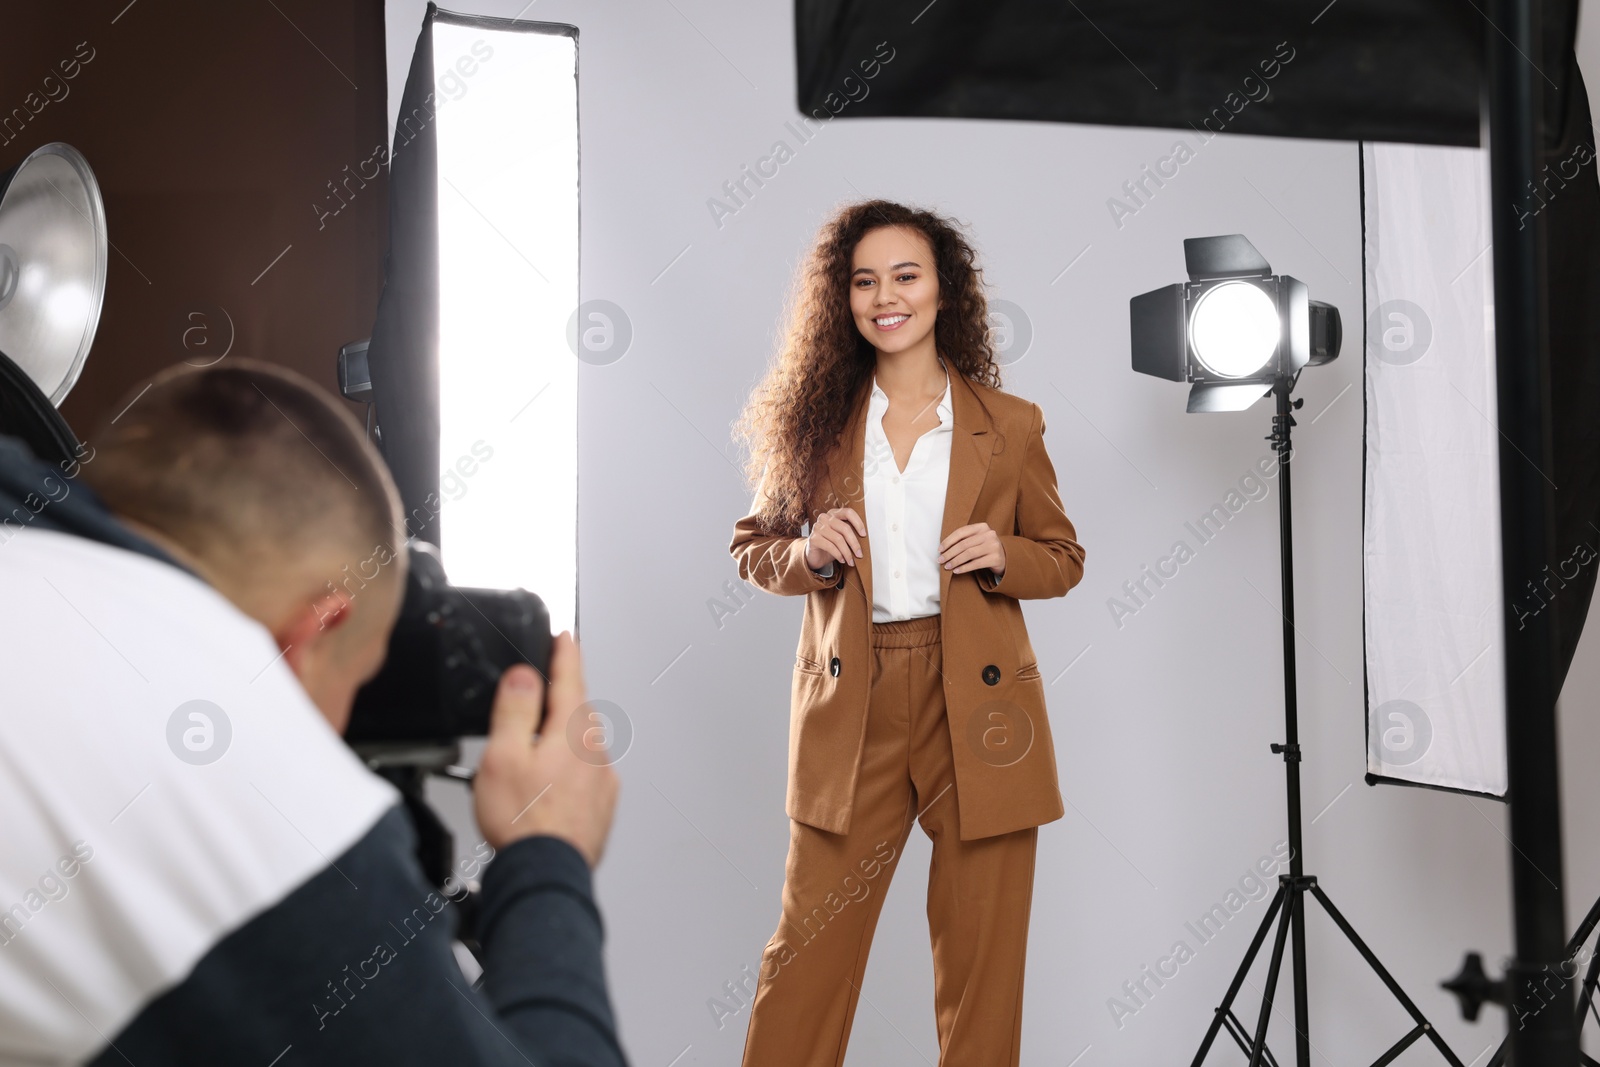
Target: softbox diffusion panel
(1379, 70)
(1431, 495)
(1432, 590)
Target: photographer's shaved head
(263, 485)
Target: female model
(933, 510)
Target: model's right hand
(835, 536)
(558, 782)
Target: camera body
(446, 655)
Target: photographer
(197, 869)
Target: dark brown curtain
(237, 148)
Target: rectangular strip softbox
(1431, 532)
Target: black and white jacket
(197, 870)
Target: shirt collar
(880, 399)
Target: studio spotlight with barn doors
(1236, 332)
(1233, 329)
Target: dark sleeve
(538, 905)
(355, 967)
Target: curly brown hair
(800, 408)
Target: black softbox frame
(1420, 71)
(1364, 70)
(403, 357)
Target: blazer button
(833, 666)
(991, 675)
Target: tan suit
(938, 720)
(1005, 768)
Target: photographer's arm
(538, 902)
(538, 905)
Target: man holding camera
(197, 869)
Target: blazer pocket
(806, 666)
(1028, 670)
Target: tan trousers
(979, 892)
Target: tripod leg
(1590, 978)
(1302, 1009)
(1241, 1037)
(1238, 978)
(1388, 979)
(1586, 994)
(1585, 928)
(1272, 981)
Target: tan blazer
(1005, 763)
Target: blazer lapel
(845, 471)
(971, 447)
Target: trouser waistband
(906, 633)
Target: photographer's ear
(296, 634)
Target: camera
(446, 654)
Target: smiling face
(894, 288)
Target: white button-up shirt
(904, 512)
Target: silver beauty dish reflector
(52, 281)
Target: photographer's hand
(543, 784)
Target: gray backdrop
(1162, 722)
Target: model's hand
(557, 782)
(970, 547)
(835, 535)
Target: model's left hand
(970, 547)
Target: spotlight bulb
(1234, 329)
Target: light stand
(1288, 904)
(1474, 986)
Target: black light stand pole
(1288, 905)
(1537, 987)
(1541, 1012)
(1281, 422)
